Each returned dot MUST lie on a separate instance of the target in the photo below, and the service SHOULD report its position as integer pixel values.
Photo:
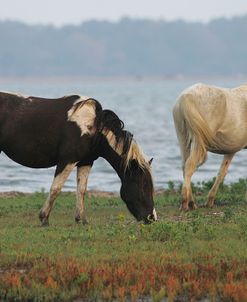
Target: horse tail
(192, 128)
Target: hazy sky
(61, 12)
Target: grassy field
(182, 257)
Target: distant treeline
(128, 47)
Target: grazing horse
(214, 119)
(69, 132)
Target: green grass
(188, 256)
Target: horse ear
(150, 161)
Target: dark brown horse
(71, 132)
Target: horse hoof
(83, 220)
(44, 220)
(192, 205)
(45, 223)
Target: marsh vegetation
(184, 256)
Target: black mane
(109, 121)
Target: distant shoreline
(120, 78)
(90, 193)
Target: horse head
(137, 191)
(124, 154)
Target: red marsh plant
(123, 279)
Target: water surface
(145, 107)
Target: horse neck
(113, 159)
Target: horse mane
(120, 139)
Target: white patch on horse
(83, 114)
(56, 187)
(112, 141)
(82, 178)
(81, 99)
(60, 178)
(155, 214)
(134, 152)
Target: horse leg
(185, 153)
(82, 178)
(220, 177)
(196, 158)
(187, 199)
(185, 156)
(61, 174)
(185, 149)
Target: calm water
(145, 107)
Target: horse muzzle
(151, 217)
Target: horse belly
(234, 140)
(234, 127)
(30, 155)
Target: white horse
(214, 119)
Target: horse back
(32, 116)
(32, 129)
(215, 117)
